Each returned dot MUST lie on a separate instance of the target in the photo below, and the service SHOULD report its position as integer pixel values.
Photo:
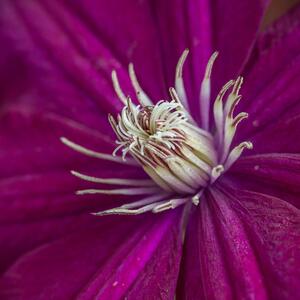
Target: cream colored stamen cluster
(180, 158)
(174, 153)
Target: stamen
(216, 172)
(176, 184)
(197, 161)
(117, 87)
(148, 203)
(95, 154)
(179, 85)
(180, 158)
(176, 154)
(196, 198)
(151, 171)
(175, 97)
(129, 191)
(171, 204)
(230, 130)
(219, 114)
(205, 92)
(118, 148)
(114, 126)
(199, 130)
(141, 95)
(236, 153)
(155, 207)
(125, 211)
(145, 201)
(187, 172)
(115, 181)
(233, 95)
(231, 123)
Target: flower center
(176, 154)
(181, 158)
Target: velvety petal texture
(37, 192)
(133, 259)
(69, 48)
(276, 174)
(241, 241)
(242, 244)
(270, 92)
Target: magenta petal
(31, 142)
(57, 56)
(134, 37)
(35, 179)
(280, 136)
(242, 244)
(275, 49)
(204, 27)
(274, 174)
(219, 262)
(234, 45)
(270, 92)
(52, 194)
(37, 192)
(76, 46)
(111, 261)
(19, 237)
(274, 229)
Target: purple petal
(35, 179)
(19, 237)
(234, 44)
(280, 136)
(134, 37)
(172, 26)
(72, 48)
(219, 262)
(272, 82)
(274, 174)
(58, 58)
(31, 141)
(37, 191)
(271, 53)
(240, 244)
(111, 261)
(36, 196)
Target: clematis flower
(189, 210)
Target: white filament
(179, 84)
(115, 181)
(127, 191)
(205, 92)
(141, 95)
(95, 154)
